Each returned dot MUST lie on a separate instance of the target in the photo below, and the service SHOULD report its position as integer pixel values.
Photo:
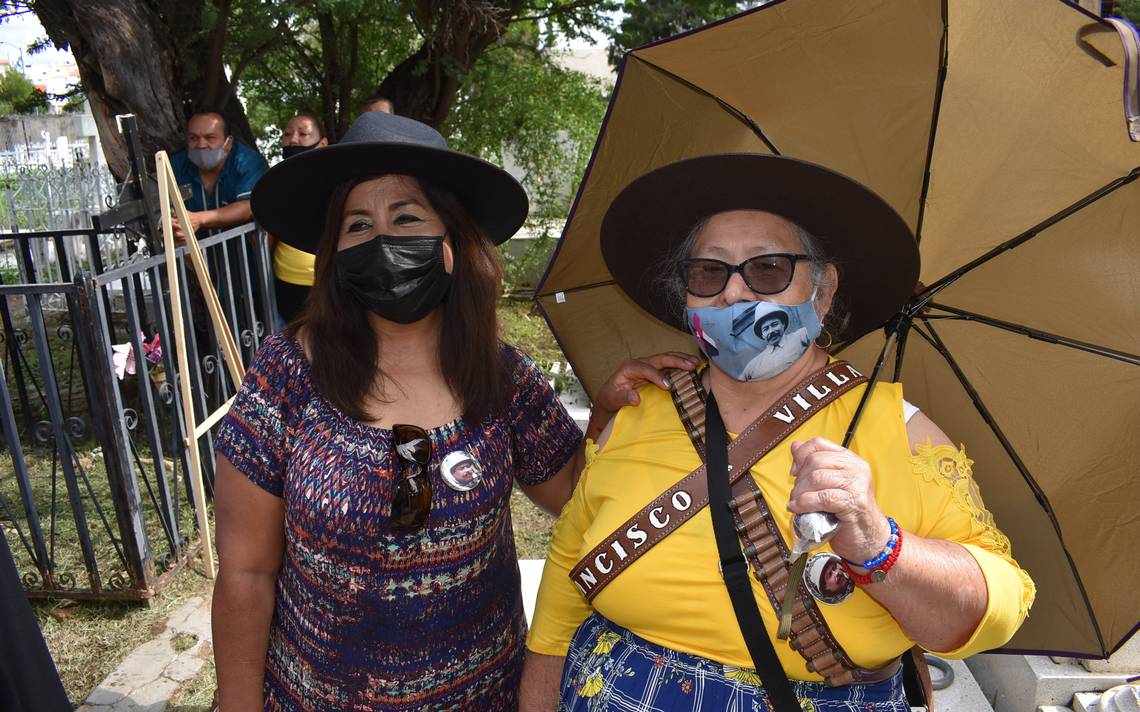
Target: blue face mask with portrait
(754, 341)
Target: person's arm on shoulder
(618, 391)
(250, 540)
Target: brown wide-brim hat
(290, 200)
(869, 242)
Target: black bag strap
(735, 570)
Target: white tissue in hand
(812, 530)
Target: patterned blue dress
(367, 618)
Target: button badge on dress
(461, 471)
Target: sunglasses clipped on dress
(412, 502)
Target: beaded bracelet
(878, 572)
(883, 555)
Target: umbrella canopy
(996, 130)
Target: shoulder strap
(676, 505)
(734, 569)
(768, 554)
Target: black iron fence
(96, 501)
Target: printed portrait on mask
(782, 336)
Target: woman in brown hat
(356, 574)
(650, 599)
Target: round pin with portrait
(461, 471)
(826, 579)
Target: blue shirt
(242, 169)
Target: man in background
(219, 172)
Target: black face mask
(290, 151)
(400, 278)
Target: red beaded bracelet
(875, 575)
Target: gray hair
(669, 284)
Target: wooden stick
(198, 263)
(166, 183)
(213, 418)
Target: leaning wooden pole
(168, 195)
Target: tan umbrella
(996, 130)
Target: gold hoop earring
(830, 340)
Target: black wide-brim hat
(872, 246)
(291, 199)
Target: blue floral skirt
(610, 668)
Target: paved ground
(144, 681)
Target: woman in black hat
(654, 601)
(353, 574)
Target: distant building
(50, 140)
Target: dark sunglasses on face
(412, 502)
(764, 274)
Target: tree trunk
(128, 62)
(424, 86)
(148, 58)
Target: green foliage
(287, 57)
(522, 268)
(515, 106)
(520, 108)
(1129, 10)
(19, 96)
(651, 20)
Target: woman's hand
(831, 478)
(621, 388)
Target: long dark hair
(344, 350)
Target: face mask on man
(754, 341)
(402, 279)
(208, 159)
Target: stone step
(1024, 683)
(1086, 702)
(963, 695)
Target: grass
(46, 477)
(88, 640)
(525, 328)
(196, 695)
(532, 527)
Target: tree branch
(561, 11)
(215, 59)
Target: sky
(16, 33)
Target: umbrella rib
(937, 344)
(930, 292)
(732, 110)
(900, 351)
(942, 62)
(571, 290)
(870, 386)
(964, 315)
(747, 120)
